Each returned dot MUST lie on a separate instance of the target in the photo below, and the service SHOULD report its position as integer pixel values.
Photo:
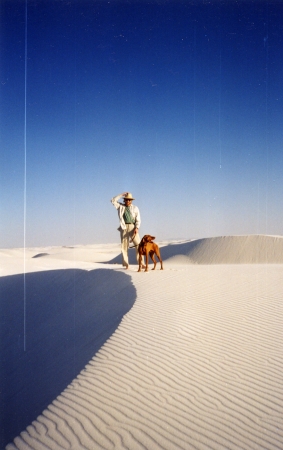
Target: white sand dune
(248, 249)
(196, 363)
(16, 261)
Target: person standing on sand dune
(130, 220)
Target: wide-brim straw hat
(129, 196)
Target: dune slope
(195, 364)
(258, 249)
(69, 314)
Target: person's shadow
(52, 325)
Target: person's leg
(125, 238)
(124, 248)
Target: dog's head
(147, 238)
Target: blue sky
(178, 102)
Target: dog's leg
(140, 262)
(146, 261)
(160, 260)
(151, 254)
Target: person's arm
(115, 202)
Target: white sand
(196, 363)
(17, 261)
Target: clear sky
(178, 102)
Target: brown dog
(147, 247)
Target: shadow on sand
(67, 315)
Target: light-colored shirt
(121, 209)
